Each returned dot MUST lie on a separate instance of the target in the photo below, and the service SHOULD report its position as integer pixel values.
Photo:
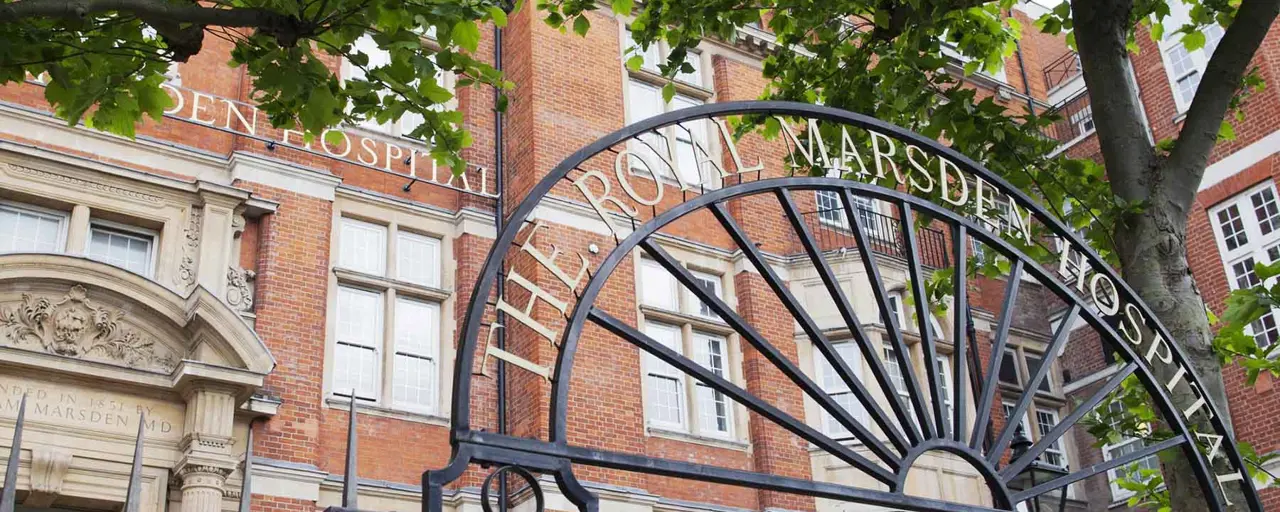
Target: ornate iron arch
(909, 427)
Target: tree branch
(286, 29)
(1221, 80)
(1102, 27)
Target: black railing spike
(247, 473)
(349, 481)
(9, 496)
(133, 496)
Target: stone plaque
(78, 406)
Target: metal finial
(349, 481)
(132, 499)
(8, 497)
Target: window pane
(835, 387)
(894, 370)
(1264, 329)
(1009, 369)
(710, 283)
(650, 54)
(829, 209)
(418, 259)
(657, 286)
(1187, 86)
(1045, 421)
(693, 77)
(686, 159)
(713, 406)
(362, 247)
(665, 383)
(417, 328)
(129, 251)
(1264, 207)
(359, 317)
(1033, 365)
(359, 332)
(1242, 273)
(1232, 227)
(942, 365)
(23, 230)
(645, 101)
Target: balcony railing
(1062, 70)
(1076, 118)
(833, 233)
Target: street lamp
(1035, 472)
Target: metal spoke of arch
(776, 357)
(894, 331)
(753, 402)
(1094, 469)
(960, 305)
(851, 321)
(1028, 394)
(1047, 440)
(1001, 339)
(923, 315)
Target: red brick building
(277, 280)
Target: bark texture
(1152, 244)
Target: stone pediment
(84, 312)
(76, 326)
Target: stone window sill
(715, 442)
(373, 409)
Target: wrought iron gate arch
(557, 456)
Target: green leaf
(668, 92)
(581, 25)
(1226, 132)
(1193, 40)
(623, 6)
(467, 34)
(635, 62)
(498, 15)
(1157, 31)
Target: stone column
(206, 444)
(202, 487)
(78, 230)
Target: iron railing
(1062, 70)
(834, 233)
(1075, 118)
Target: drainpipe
(499, 141)
(1022, 70)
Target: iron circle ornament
(890, 434)
(539, 500)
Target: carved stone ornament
(75, 326)
(190, 246)
(239, 293)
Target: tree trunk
(1153, 256)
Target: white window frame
(1057, 447)
(1179, 15)
(1118, 493)
(431, 354)
(655, 369)
(385, 282)
(942, 364)
(1256, 245)
(680, 311)
(703, 357)
(376, 347)
(64, 219)
(825, 371)
(126, 230)
(692, 89)
(891, 364)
